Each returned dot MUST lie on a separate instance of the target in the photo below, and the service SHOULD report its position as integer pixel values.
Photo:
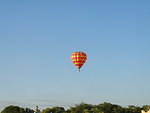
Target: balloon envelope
(79, 58)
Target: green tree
(13, 109)
(28, 110)
(54, 110)
(81, 108)
(134, 109)
(105, 107)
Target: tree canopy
(81, 108)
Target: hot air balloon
(78, 59)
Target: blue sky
(38, 37)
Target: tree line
(81, 108)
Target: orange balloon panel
(78, 58)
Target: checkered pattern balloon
(79, 58)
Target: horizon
(37, 39)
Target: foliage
(82, 108)
(13, 109)
(28, 110)
(16, 109)
(54, 110)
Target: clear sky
(37, 38)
